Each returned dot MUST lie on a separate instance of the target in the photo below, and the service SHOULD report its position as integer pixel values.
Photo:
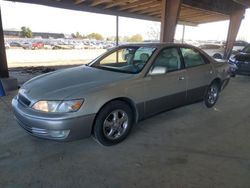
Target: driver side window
(169, 59)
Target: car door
(199, 73)
(165, 84)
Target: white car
(7, 45)
(214, 50)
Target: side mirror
(158, 70)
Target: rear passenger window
(192, 57)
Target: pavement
(21, 57)
(188, 147)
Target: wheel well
(125, 100)
(217, 81)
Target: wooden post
(183, 34)
(169, 16)
(117, 30)
(234, 26)
(4, 73)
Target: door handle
(181, 78)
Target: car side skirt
(149, 108)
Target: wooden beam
(243, 2)
(141, 8)
(154, 14)
(117, 31)
(220, 6)
(151, 10)
(128, 8)
(234, 26)
(119, 3)
(169, 16)
(197, 9)
(136, 4)
(4, 72)
(77, 2)
(99, 2)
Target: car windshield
(246, 49)
(127, 59)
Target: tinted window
(246, 49)
(192, 57)
(168, 58)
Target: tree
(154, 32)
(135, 38)
(77, 35)
(26, 32)
(111, 38)
(96, 36)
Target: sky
(47, 19)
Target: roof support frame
(234, 26)
(169, 18)
(4, 73)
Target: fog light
(59, 133)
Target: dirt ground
(23, 58)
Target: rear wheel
(113, 123)
(212, 95)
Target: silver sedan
(124, 85)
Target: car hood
(242, 57)
(64, 83)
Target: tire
(212, 94)
(113, 123)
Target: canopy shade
(192, 12)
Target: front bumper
(233, 68)
(54, 128)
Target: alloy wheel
(115, 124)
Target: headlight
(58, 106)
(232, 59)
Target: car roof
(156, 45)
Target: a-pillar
(234, 26)
(4, 73)
(169, 17)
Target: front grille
(23, 100)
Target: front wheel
(212, 95)
(113, 123)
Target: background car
(239, 45)
(15, 44)
(37, 45)
(214, 50)
(7, 45)
(27, 45)
(240, 62)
